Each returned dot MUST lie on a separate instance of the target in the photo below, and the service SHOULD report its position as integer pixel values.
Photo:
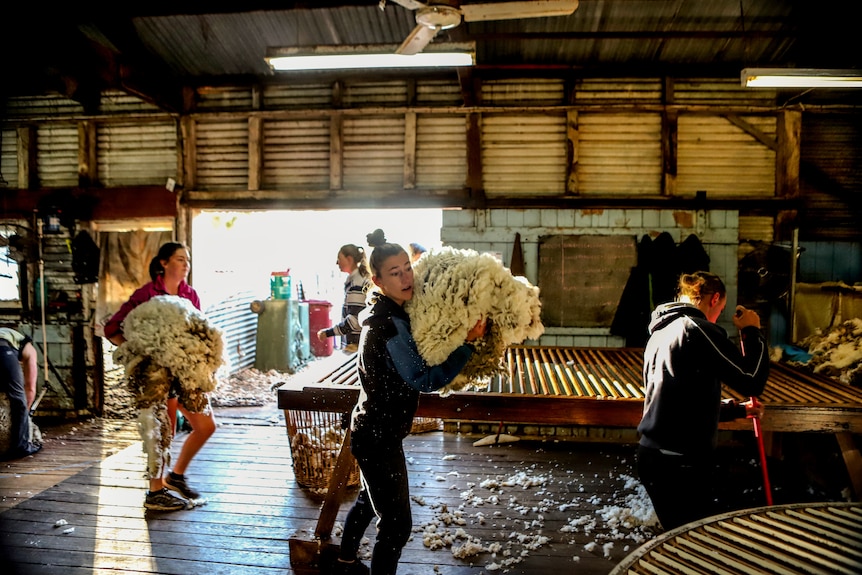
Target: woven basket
(425, 424)
(315, 440)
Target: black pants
(385, 494)
(681, 488)
(12, 383)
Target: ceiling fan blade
(410, 4)
(417, 40)
(515, 10)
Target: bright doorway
(235, 252)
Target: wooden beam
(88, 173)
(752, 131)
(255, 152)
(409, 179)
(573, 152)
(187, 157)
(26, 157)
(669, 148)
(474, 156)
(336, 153)
(788, 153)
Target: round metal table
(820, 538)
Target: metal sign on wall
(582, 277)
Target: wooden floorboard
(254, 506)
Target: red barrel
(318, 318)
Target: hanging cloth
(516, 265)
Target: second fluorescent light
(800, 78)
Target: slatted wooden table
(567, 386)
(602, 387)
(823, 538)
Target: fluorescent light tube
(800, 78)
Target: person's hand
(753, 408)
(321, 335)
(477, 330)
(745, 318)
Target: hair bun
(376, 238)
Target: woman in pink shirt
(168, 270)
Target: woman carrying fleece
(392, 375)
(168, 270)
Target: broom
(758, 431)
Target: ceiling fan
(433, 16)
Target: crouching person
(18, 373)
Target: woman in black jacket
(392, 374)
(686, 360)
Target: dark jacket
(392, 373)
(686, 360)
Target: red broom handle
(758, 432)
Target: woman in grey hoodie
(687, 359)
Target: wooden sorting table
(583, 387)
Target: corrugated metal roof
(153, 49)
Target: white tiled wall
(494, 231)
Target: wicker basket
(315, 441)
(425, 424)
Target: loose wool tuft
(454, 289)
(168, 339)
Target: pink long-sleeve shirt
(143, 294)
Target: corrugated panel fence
(234, 316)
(136, 154)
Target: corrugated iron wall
(297, 96)
(222, 154)
(8, 158)
(296, 154)
(57, 155)
(134, 154)
(831, 176)
(619, 154)
(374, 153)
(441, 151)
(718, 157)
(524, 154)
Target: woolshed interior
(594, 148)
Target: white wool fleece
(174, 335)
(453, 289)
(155, 429)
